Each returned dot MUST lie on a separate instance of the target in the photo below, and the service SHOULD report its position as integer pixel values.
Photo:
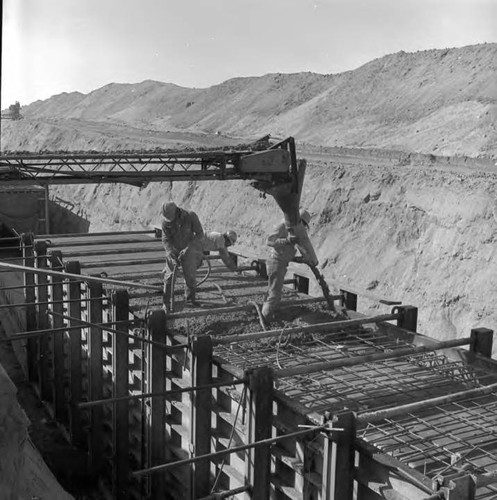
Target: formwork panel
(435, 443)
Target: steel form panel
(141, 167)
(438, 442)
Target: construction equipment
(326, 292)
(273, 170)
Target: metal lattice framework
(138, 168)
(424, 410)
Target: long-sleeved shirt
(215, 242)
(179, 233)
(282, 250)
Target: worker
(219, 242)
(284, 242)
(182, 236)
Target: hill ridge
(440, 101)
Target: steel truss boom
(140, 168)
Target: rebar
(374, 416)
(75, 235)
(231, 309)
(327, 327)
(229, 451)
(39, 333)
(369, 358)
(92, 279)
(99, 402)
(112, 330)
(51, 302)
(228, 493)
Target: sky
(55, 46)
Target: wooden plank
(30, 297)
(75, 358)
(45, 341)
(201, 408)
(95, 359)
(120, 367)
(260, 405)
(341, 475)
(59, 372)
(157, 383)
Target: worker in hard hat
(182, 235)
(284, 243)
(219, 242)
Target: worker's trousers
(190, 260)
(276, 272)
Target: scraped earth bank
(424, 233)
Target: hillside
(423, 231)
(435, 101)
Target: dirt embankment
(421, 233)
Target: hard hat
(305, 216)
(231, 236)
(169, 211)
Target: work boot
(166, 296)
(267, 313)
(190, 298)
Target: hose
(207, 274)
(220, 290)
(261, 317)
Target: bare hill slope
(423, 231)
(435, 101)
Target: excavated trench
(370, 386)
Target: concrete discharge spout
(287, 196)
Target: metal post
(201, 412)
(47, 211)
(120, 414)
(45, 342)
(301, 284)
(260, 267)
(234, 257)
(408, 318)
(338, 462)
(482, 341)
(59, 374)
(349, 300)
(75, 357)
(95, 372)
(460, 488)
(31, 324)
(157, 383)
(260, 407)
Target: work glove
(173, 257)
(312, 263)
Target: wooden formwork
(358, 409)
